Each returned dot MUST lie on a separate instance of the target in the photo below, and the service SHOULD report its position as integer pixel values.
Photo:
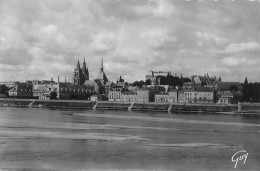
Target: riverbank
(133, 106)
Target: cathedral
(80, 74)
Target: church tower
(85, 73)
(102, 76)
(77, 74)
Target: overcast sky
(40, 39)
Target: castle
(80, 75)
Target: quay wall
(71, 104)
(241, 108)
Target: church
(80, 74)
(81, 77)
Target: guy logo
(238, 156)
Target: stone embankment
(133, 106)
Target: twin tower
(80, 74)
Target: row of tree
(168, 80)
(251, 91)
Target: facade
(96, 84)
(70, 91)
(43, 91)
(80, 75)
(173, 96)
(188, 86)
(146, 95)
(181, 97)
(199, 96)
(93, 98)
(114, 95)
(129, 97)
(143, 95)
(63, 90)
(225, 98)
(161, 97)
(21, 90)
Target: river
(52, 139)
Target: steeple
(101, 69)
(85, 74)
(78, 64)
(84, 63)
(102, 76)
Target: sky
(41, 39)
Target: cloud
(14, 56)
(160, 9)
(103, 42)
(207, 37)
(233, 61)
(159, 39)
(241, 47)
(133, 37)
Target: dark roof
(102, 76)
(227, 85)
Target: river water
(45, 139)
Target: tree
(4, 89)
(233, 88)
(53, 95)
(139, 83)
(246, 90)
(246, 82)
(148, 82)
(219, 79)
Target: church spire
(78, 65)
(84, 63)
(102, 69)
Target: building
(63, 90)
(114, 94)
(153, 78)
(234, 87)
(39, 82)
(9, 84)
(225, 86)
(189, 86)
(80, 75)
(43, 91)
(162, 97)
(102, 76)
(146, 95)
(100, 84)
(201, 96)
(70, 91)
(173, 96)
(226, 97)
(181, 97)
(129, 97)
(96, 84)
(21, 90)
(93, 98)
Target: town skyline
(43, 40)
